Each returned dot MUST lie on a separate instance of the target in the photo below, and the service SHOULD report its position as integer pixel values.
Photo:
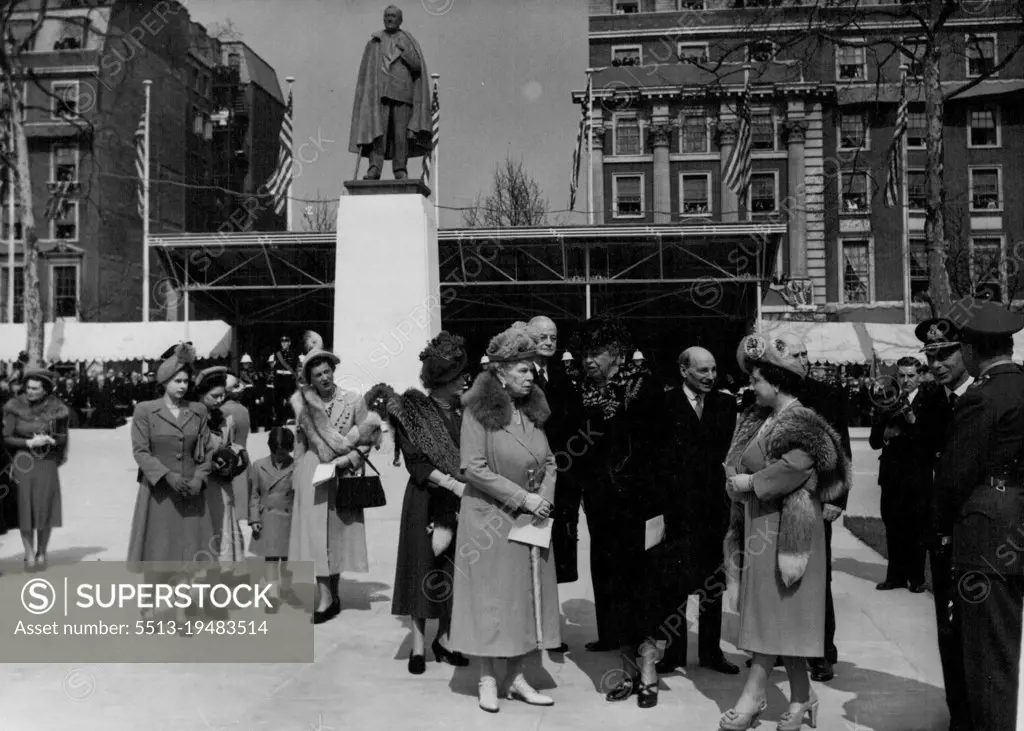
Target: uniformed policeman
(941, 339)
(979, 491)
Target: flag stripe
(577, 154)
(140, 164)
(281, 179)
(894, 178)
(435, 133)
(738, 166)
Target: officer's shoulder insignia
(980, 381)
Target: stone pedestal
(387, 294)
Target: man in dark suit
(979, 511)
(902, 431)
(941, 340)
(566, 437)
(830, 402)
(696, 512)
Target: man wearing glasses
(941, 340)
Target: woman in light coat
(509, 473)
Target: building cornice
(65, 70)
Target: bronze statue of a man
(391, 112)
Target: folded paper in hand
(534, 533)
(654, 533)
(323, 473)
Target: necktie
(952, 400)
(698, 406)
(542, 380)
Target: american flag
(140, 163)
(282, 178)
(577, 154)
(435, 132)
(58, 204)
(737, 167)
(894, 179)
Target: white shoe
(488, 692)
(523, 691)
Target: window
(629, 196)
(918, 267)
(986, 260)
(626, 7)
(627, 136)
(763, 133)
(981, 55)
(72, 34)
(854, 191)
(917, 192)
(915, 61)
(64, 100)
(626, 55)
(19, 292)
(64, 290)
(695, 194)
(6, 229)
(63, 163)
(65, 226)
(856, 271)
(916, 125)
(691, 4)
(761, 51)
(693, 52)
(764, 193)
(694, 132)
(853, 128)
(851, 64)
(983, 127)
(986, 189)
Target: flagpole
(147, 84)
(590, 158)
(289, 221)
(435, 172)
(905, 175)
(11, 210)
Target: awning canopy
(893, 341)
(827, 342)
(115, 341)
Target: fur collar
(321, 435)
(50, 408)
(491, 405)
(423, 424)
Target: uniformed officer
(979, 508)
(941, 339)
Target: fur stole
(491, 405)
(50, 409)
(423, 424)
(322, 437)
(796, 428)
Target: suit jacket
(909, 458)
(979, 491)
(567, 417)
(695, 503)
(830, 403)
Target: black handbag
(364, 491)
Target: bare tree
(321, 215)
(225, 31)
(515, 199)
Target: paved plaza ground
(888, 678)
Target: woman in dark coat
(784, 462)
(36, 432)
(427, 432)
(172, 446)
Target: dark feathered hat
(444, 359)
(175, 359)
(599, 333)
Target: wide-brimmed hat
(207, 373)
(981, 318)
(444, 359)
(313, 356)
(757, 349)
(175, 359)
(517, 343)
(48, 377)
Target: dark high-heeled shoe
(625, 688)
(417, 664)
(332, 611)
(647, 695)
(442, 654)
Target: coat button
(178, 455)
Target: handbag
(361, 492)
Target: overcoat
(493, 613)
(167, 526)
(271, 495)
(240, 435)
(35, 477)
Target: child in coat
(270, 508)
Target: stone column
(597, 151)
(796, 197)
(728, 201)
(661, 136)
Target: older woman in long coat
(509, 472)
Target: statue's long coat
(368, 120)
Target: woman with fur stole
(784, 462)
(331, 424)
(426, 428)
